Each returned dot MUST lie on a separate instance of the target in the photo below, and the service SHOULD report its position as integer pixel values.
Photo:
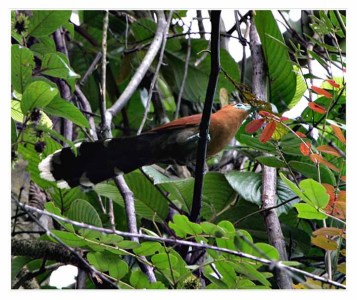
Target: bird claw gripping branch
(174, 142)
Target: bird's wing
(193, 120)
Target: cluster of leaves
(310, 190)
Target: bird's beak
(246, 107)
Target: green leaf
(37, 95)
(22, 63)
(138, 279)
(44, 22)
(281, 74)
(128, 244)
(249, 271)
(269, 251)
(270, 161)
(62, 108)
(306, 211)
(148, 248)
(44, 46)
(82, 211)
(182, 224)
(50, 207)
(310, 171)
(316, 193)
(149, 200)
(57, 65)
(300, 89)
(16, 113)
(255, 143)
(229, 276)
(248, 185)
(164, 261)
(118, 269)
(292, 186)
(69, 238)
(197, 75)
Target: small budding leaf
(333, 83)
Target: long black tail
(102, 160)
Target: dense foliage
(56, 101)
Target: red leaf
(305, 148)
(266, 114)
(267, 132)
(321, 91)
(316, 107)
(329, 150)
(338, 132)
(284, 119)
(254, 125)
(300, 134)
(316, 158)
(333, 83)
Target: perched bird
(174, 142)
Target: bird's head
(245, 107)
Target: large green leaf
(37, 94)
(45, 45)
(280, 69)
(148, 200)
(197, 75)
(57, 65)
(315, 191)
(44, 22)
(22, 63)
(82, 211)
(310, 171)
(62, 108)
(248, 185)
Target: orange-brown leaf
(254, 125)
(338, 132)
(300, 134)
(317, 108)
(305, 148)
(324, 243)
(267, 132)
(333, 83)
(331, 231)
(329, 150)
(321, 91)
(316, 158)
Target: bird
(171, 143)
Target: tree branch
(206, 115)
(275, 235)
(171, 241)
(141, 71)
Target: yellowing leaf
(324, 243)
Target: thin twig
(173, 241)
(187, 61)
(91, 69)
(156, 74)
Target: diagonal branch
(142, 69)
(172, 241)
(206, 116)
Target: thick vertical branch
(64, 88)
(206, 116)
(275, 235)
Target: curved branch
(140, 72)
